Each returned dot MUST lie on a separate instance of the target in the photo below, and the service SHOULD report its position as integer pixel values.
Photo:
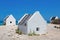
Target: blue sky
(18, 8)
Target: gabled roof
(7, 17)
(40, 16)
(27, 17)
(24, 18)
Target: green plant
(18, 31)
(30, 34)
(33, 34)
(4, 23)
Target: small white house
(32, 23)
(53, 18)
(10, 20)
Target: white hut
(32, 23)
(10, 20)
(54, 17)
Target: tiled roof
(27, 17)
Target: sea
(2, 22)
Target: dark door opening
(37, 29)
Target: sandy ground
(8, 33)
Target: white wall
(10, 18)
(37, 21)
(22, 28)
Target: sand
(9, 33)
